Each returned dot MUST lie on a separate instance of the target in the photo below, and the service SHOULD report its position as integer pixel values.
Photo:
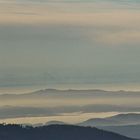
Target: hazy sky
(68, 44)
(69, 41)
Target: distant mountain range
(120, 119)
(96, 92)
(53, 102)
(56, 132)
(130, 119)
(132, 131)
(119, 124)
(72, 93)
(124, 124)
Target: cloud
(55, 37)
(89, 13)
(21, 111)
(107, 25)
(44, 1)
(120, 37)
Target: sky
(48, 43)
(68, 44)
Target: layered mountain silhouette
(112, 102)
(56, 132)
(132, 131)
(119, 124)
(95, 92)
(120, 119)
(124, 124)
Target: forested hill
(56, 132)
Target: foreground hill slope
(56, 132)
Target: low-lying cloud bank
(21, 111)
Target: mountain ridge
(120, 119)
(57, 132)
(53, 90)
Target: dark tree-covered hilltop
(56, 132)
